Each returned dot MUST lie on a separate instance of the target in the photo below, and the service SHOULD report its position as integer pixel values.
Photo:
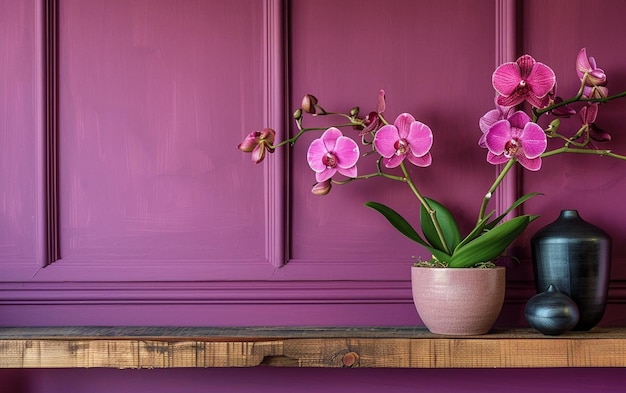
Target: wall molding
(275, 109)
(275, 116)
(240, 293)
(48, 249)
(505, 51)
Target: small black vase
(575, 256)
(551, 312)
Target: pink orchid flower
(331, 153)
(525, 79)
(595, 92)
(258, 142)
(405, 138)
(372, 121)
(594, 77)
(588, 116)
(516, 138)
(491, 117)
(587, 66)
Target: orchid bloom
(372, 121)
(595, 92)
(491, 117)
(405, 138)
(594, 77)
(588, 116)
(587, 66)
(516, 138)
(331, 153)
(258, 142)
(524, 79)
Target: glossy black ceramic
(575, 256)
(552, 312)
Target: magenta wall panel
(19, 105)
(424, 66)
(151, 95)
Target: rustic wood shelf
(168, 347)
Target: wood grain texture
(376, 347)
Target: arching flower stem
(577, 98)
(302, 131)
(406, 178)
(567, 149)
(494, 186)
(564, 149)
(431, 212)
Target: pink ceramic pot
(458, 301)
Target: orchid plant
(511, 137)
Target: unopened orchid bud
(257, 142)
(268, 135)
(297, 115)
(562, 111)
(598, 134)
(322, 188)
(553, 126)
(308, 103)
(380, 103)
(354, 111)
(250, 142)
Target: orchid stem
(494, 186)
(567, 149)
(368, 176)
(431, 212)
(302, 131)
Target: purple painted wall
(267, 380)
(161, 222)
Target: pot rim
(459, 268)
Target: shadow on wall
(14, 381)
(272, 380)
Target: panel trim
(275, 109)
(505, 51)
(241, 293)
(48, 249)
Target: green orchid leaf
(490, 244)
(514, 206)
(448, 225)
(398, 222)
(478, 229)
(406, 229)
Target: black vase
(575, 256)
(552, 312)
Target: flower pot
(455, 301)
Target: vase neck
(569, 214)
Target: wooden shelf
(163, 347)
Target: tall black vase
(575, 256)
